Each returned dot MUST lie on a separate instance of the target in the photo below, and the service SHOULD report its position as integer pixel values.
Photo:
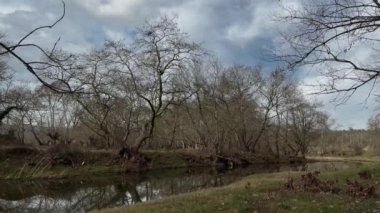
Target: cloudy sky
(237, 31)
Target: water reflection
(91, 193)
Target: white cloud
(262, 22)
(7, 9)
(113, 34)
(259, 24)
(113, 8)
(119, 7)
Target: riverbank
(28, 163)
(267, 193)
(66, 162)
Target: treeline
(347, 143)
(161, 91)
(351, 142)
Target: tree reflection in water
(82, 195)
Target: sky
(236, 31)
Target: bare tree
(13, 49)
(306, 124)
(161, 52)
(270, 92)
(332, 33)
(49, 59)
(7, 106)
(20, 98)
(374, 123)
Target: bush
(65, 150)
(357, 149)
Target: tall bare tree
(154, 63)
(332, 33)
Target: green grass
(266, 193)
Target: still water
(92, 193)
